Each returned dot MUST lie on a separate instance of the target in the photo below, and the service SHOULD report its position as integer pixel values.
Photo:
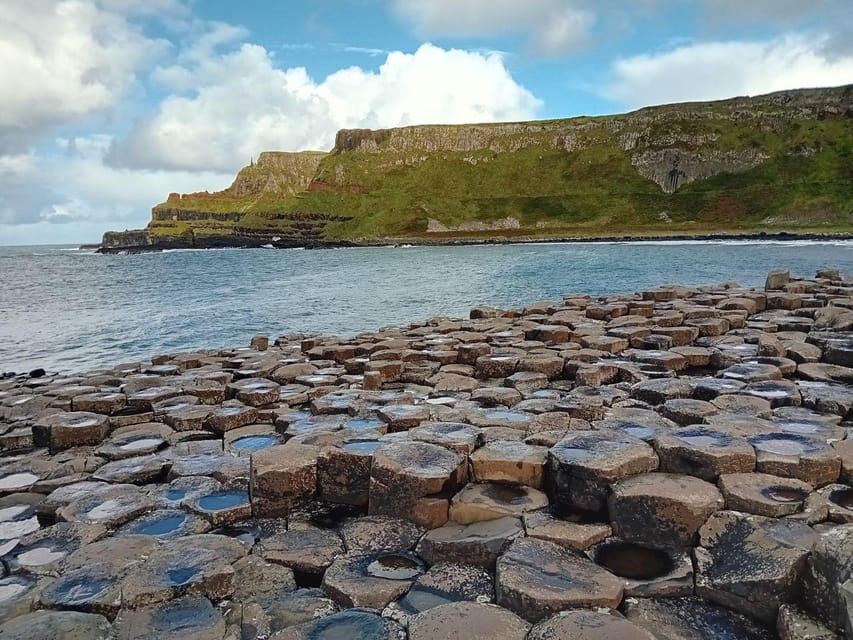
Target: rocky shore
(669, 465)
(118, 243)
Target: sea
(67, 309)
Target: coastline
(420, 241)
(547, 440)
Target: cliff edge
(782, 162)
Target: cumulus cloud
(713, 70)
(61, 61)
(75, 186)
(554, 26)
(244, 103)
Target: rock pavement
(669, 464)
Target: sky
(109, 105)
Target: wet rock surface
(672, 464)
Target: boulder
(792, 455)
(353, 624)
(572, 531)
(379, 533)
(306, 549)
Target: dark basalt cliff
(780, 163)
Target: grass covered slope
(782, 162)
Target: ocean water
(71, 310)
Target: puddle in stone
(256, 443)
(784, 494)
(842, 497)
(801, 427)
(395, 567)
(422, 598)
(9, 590)
(18, 480)
(160, 526)
(365, 447)
(18, 528)
(81, 590)
(79, 423)
(40, 556)
(142, 443)
(223, 500)
(508, 416)
(247, 534)
(638, 431)
(633, 561)
(348, 625)
(173, 495)
(700, 440)
(181, 576)
(781, 446)
(506, 493)
(360, 424)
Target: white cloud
(17, 164)
(243, 104)
(73, 185)
(61, 61)
(714, 70)
(554, 26)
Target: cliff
(776, 163)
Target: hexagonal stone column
(281, 477)
(537, 579)
(582, 466)
(750, 563)
(343, 472)
(413, 480)
(467, 620)
(662, 509)
(826, 588)
(588, 625)
(704, 452)
(65, 430)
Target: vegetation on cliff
(782, 162)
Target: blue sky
(119, 102)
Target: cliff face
(770, 163)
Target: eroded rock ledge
(670, 464)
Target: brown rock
(662, 509)
(467, 621)
(509, 461)
(282, 476)
(537, 579)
